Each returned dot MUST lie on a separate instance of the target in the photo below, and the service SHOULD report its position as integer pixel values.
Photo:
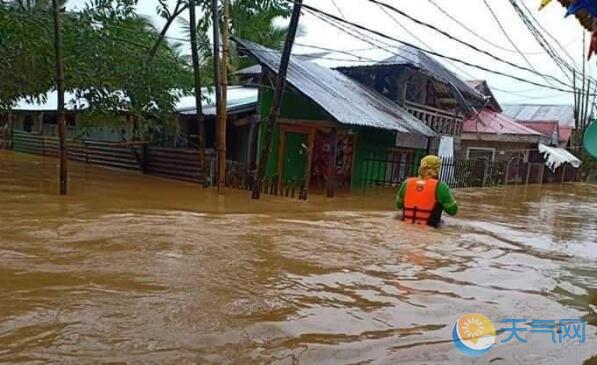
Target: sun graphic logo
(473, 334)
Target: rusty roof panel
(346, 100)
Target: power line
(563, 48)
(542, 41)
(474, 33)
(422, 42)
(469, 45)
(505, 33)
(315, 10)
(552, 52)
(338, 8)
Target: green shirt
(444, 197)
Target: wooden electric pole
(215, 19)
(223, 109)
(197, 86)
(60, 91)
(277, 100)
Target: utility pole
(278, 94)
(215, 19)
(60, 91)
(223, 111)
(584, 75)
(197, 85)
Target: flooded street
(142, 270)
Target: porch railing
(439, 120)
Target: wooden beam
(331, 182)
(223, 113)
(281, 148)
(197, 86)
(278, 93)
(60, 90)
(305, 192)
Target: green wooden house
(330, 126)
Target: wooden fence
(239, 176)
(175, 163)
(172, 163)
(180, 164)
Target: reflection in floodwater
(136, 269)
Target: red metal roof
(546, 128)
(565, 134)
(496, 123)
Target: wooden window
(480, 153)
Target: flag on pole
(544, 3)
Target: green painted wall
(294, 157)
(370, 141)
(294, 106)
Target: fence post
(485, 168)
(563, 173)
(392, 172)
(367, 163)
(10, 127)
(528, 173)
(331, 181)
(542, 174)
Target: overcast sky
(473, 13)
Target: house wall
(114, 129)
(78, 125)
(504, 151)
(294, 106)
(368, 141)
(27, 121)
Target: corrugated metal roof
(490, 122)
(49, 102)
(546, 128)
(239, 99)
(565, 134)
(411, 56)
(564, 114)
(256, 69)
(344, 99)
(483, 87)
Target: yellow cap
(430, 166)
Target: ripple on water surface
(136, 269)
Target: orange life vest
(420, 202)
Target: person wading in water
(423, 199)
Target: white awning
(556, 157)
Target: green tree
(249, 19)
(106, 48)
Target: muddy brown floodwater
(141, 270)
